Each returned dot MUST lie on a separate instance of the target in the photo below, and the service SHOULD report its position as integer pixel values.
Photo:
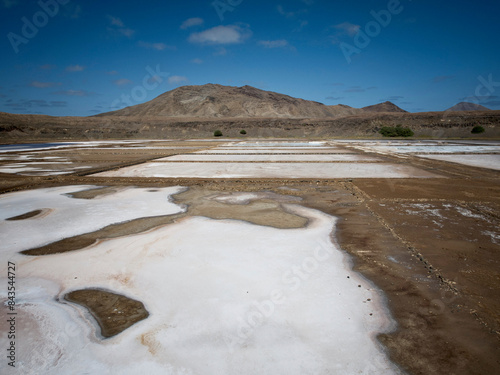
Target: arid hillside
(465, 106)
(197, 111)
(384, 107)
(24, 128)
(217, 101)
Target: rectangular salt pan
(309, 150)
(269, 170)
(270, 158)
(482, 161)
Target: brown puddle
(93, 193)
(113, 312)
(268, 212)
(111, 231)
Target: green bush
(477, 129)
(243, 131)
(398, 131)
(217, 133)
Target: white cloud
(197, 61)
(43, 85)
(122, 82)
(24, 104)
(191, 22)
(353, 89)
(282, 43)
(439, 79)
(155, 79)
(302, 24)
(75, 68)
(117, 25)
(112, 72)
(174, 80)
(156, 46)
(221, 35)
(283, 12)
(127, 32)
(74, 93)
(348, 28)
(115, 21)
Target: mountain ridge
(218, 101)
(387, 106)
(467, 106)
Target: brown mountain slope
(217, 101)
(384, 107)
(345, 110)
(465, 106)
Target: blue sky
(80, 58)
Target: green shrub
(387, 131)
(243, 131)
(477, 129)
(217, 133)
(405, 132)
(398, 131)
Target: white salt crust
(224, 296)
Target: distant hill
(465, 106)
(217, 101)
(345, 110)
(384, 107)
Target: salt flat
(31, 168)
(207, 260)
(271, 144)
(269, 170)
(482, 161)
(405, 148)
(282, 301)
(304, 150)
(271, 158)
(59, 145)
(64, 216)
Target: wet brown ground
(440, 274)
(114, 312)
(25, 216)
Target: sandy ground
(430, 244)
